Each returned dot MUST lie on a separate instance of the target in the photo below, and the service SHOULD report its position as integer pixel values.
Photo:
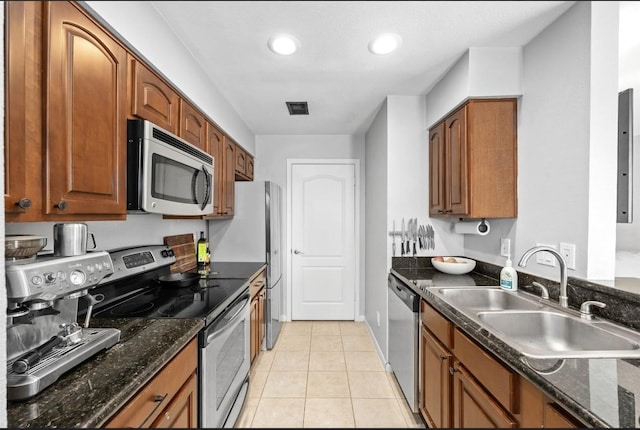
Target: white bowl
(462, 265)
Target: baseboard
(385, 363)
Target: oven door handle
(224, 322)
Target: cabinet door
(182, 412)
(254, 329)
(437, 178)
(435, 381)
(193, 126)
(554, 417)
(457, 198)
(241, 161)
(228, 204)
(249, 169)
(22, 127)
(262, 332)
(472, 406)
(153, 99)
(146, 407)
(85, 132)
(216, 149)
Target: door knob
(295, 251)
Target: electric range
(134, 291)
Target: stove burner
(175, 306)
(133, 309)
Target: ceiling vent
(298, 108)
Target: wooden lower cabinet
(463, 386)
(258, 292)
(169, 399)
(182, 412)
(435, 398)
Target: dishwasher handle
(405, 293)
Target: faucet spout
(563, 298)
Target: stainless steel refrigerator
(254, 235)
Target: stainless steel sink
(486, 299)
(551, 334)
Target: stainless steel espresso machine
(44, 339)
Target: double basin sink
(539, 329)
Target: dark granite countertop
(599, 392)
(90, 393)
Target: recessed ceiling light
(283, 44)
(385, 44)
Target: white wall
(567, 129)
(139, 23)
(480, 72)
(148, 229)
(377, 263)
(272, 153)
(397, 186)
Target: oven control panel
(51, 278)
(133, 261)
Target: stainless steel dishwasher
(404, 338)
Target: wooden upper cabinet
(229, 158)
(222, 187)
(241, 161)
(193, 126)
(23, 127)
(85, 104)
(436, 170)
(473, 161)
(244, 165)
(152, 98)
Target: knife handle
(401, 248)
(414, 249)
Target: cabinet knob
(24, 203)
(442, 358)
(452, 370)
(62, 205)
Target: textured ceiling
(333, 71)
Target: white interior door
(323, 241)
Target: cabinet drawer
(437, 324)
(499, 381)
(151, 401)
(257, 283)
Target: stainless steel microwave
(166, 174)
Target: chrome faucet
(563, 298)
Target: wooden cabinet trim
(182, 412)
(435, 381)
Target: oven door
(224, 364)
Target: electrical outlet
(568, 251)
(505, 247)
(545, 258)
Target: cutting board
(184, 248)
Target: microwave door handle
(194, 189)
(207, 192)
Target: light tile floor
(324, 374)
